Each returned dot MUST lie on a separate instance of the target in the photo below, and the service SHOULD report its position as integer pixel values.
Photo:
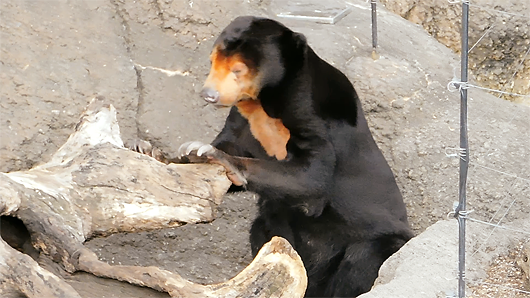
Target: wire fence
(519, 183)
(514, 188)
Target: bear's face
(248, 55)
(231, 79)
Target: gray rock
(425, 267)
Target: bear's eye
(239, 69)
(525, 259)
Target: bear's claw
(214, 156)
(201, 148)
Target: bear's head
(250, 54)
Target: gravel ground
(505, 279)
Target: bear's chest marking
(271, 133)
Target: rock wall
(56, 55)
(499, 32)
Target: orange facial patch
(271, 133)
(232, 78)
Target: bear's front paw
(208, 153)
(144, 147)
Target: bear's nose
(210, 95)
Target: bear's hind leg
(265, 227)
(356, 272)
(258, 235)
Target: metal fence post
(373, 4)
(460, 212)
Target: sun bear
(297, 136)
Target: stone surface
(427, 265)
(424, 267)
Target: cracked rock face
(55, 57)
(499, 35)
(148, 57)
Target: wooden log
(94, 186)
(30, 279)
(277, 271)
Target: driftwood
(94, 186)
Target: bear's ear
(300, 40)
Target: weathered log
(30, 279)
(94, 186)
(277, 271)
